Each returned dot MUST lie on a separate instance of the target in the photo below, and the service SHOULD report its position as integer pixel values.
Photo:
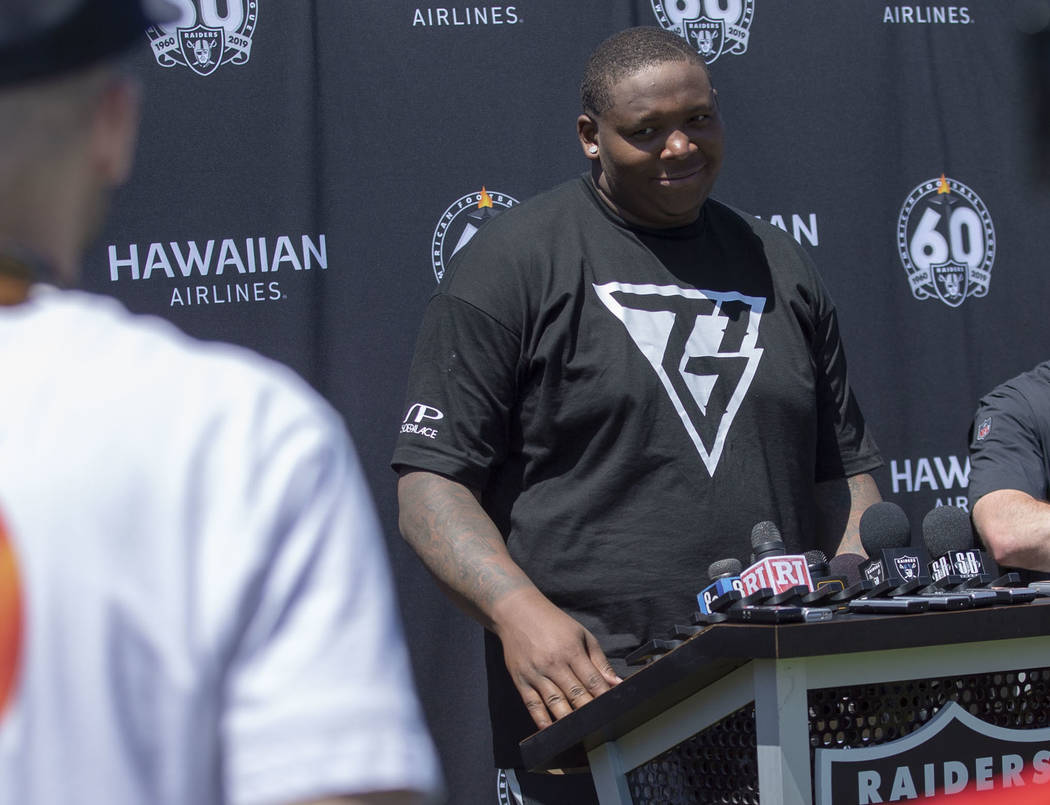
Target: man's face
(659, 144)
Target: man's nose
(677, 145)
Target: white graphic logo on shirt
(414, 420)
(702, 346)
(946, 241)
(713, 27)
(202, 38)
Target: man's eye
(648, 131)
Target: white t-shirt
(207, 613)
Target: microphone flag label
(899, 565)
(779, 573)
(968, 564)
(715, 589)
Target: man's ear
(114, 130)
(587, 132)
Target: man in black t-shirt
(1010, 470)
(614, 382)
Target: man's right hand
(555, 663)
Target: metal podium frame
(698, 684)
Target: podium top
(722, 648)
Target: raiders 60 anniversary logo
(202, 38)
(713, 27)
(946, 241)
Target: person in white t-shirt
(195, 601)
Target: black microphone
(766, 541)
(948, 534)
(959, 563)
(894, 566)
(817, 562)
(847, 565)
(787, 575)
(824, 584)
(725, 577)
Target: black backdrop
(331, 136)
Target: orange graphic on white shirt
(10, 620)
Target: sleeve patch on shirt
(417, 419)
(984, 429)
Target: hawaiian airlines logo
(220, 271)
(10, 621)
(461, 221)
(713, 27)
(202, 38)
(703, 347)
(946, 241)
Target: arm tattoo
(457, 541)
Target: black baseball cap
(45, 38)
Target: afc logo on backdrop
(461, 221)
(946, 241)
(713, 27)
(203, 38)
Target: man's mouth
(682, 176)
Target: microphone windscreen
(884, 525)
(947, 528)
(846, 565)
(724, 567)
(816, 557)
(766, 541)
(766, 531)
(816, 561)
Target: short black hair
(626, 53)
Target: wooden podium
(780, 669)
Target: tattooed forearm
(841, 504)
(445, 524)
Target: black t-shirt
(629, 403)
(1010, 437)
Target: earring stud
(593, 149)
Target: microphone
(725, 576)
(948, 532)
(857, 596)
(773, 568)
(847, 565)
(894, 566)
(766, 541)
(824, 585)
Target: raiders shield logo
(707, 36)
(951, 281)
(201, 48)
(907, 566)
